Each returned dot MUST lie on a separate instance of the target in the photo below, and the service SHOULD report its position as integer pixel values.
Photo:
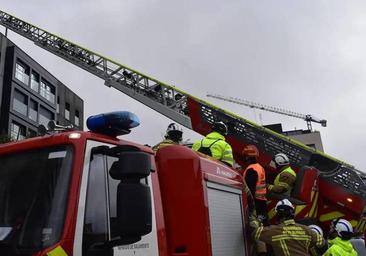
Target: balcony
(20, 107)
(23, 77)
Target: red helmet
(250, 151)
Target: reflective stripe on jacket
(284, 181)
(339, 247)
(260, 186)
(220, 150)
(288, 238)
(164, 143)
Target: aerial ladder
(308, 118)
(199, 115)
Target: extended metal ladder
(186, 109)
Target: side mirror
(134, 213)
(135, 165)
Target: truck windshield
(33, 196)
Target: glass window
(58, 104)
(112, 189)
(22, 72)
(20, 102)
(100, 220)
(95, 219)
(33, 197)
(45, 116)
(33, 110)
(17, 131)
(34, 81)
(31, 133)
(67, 111)
(47, 91)
(77, 119)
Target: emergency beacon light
(113, 123)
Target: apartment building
(30, 95)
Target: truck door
(97, 214)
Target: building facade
(307, 137)
(30, 95)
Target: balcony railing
(20, 107)
(24, 78)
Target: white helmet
(284, 204)
(174, 132)
(316, 229)
(281, 159)
(342, 227)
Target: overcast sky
(305, 56)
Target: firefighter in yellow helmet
(173, 136)
(214, 144)
(285, 178)
(341, 232)
(287, 238)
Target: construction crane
(308, 118)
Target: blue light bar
(113, 123)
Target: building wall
(307, 137)
(311, 139)
(32, 96)
(69, 102)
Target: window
(100, 219)
(17, 131)
(45, 116)
(95, 220)
(31, 133)
(58, 104)
(33, 110)
(47, 91)
(67, 111)
(20, 102)
(34, 189)
(112, 189)
(22, 72)
(34, 81)
(77, 118)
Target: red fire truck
(89, 193)
(197, 204)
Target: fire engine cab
(89, 193)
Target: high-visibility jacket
(164, 143)
(287, 238)
(339, 247)
(260, 186)
(215, 144)
(284, 181)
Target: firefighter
(287, 238)
(214, 144)
(317, 251)
(340, 233)
(173, 136)
(285, 178)
(255, 178)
